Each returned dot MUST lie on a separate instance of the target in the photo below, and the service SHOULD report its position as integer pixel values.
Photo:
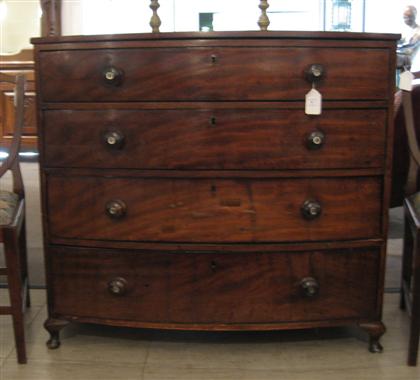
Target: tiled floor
(94, 352)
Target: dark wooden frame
(13, 235)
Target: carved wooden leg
(375, 331)
(53, 326)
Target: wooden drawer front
(219, 139)
(229, 73)
(214, 288)
(219, 210)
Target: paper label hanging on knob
(406, 81)
(313, 102)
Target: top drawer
(211, 73)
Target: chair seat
(8, 203)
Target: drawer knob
(114, 139)
(116, 209)
(117, 286)
(311, 209)
(309, 287)
(315, 140)
(315, 73)
(113, 76)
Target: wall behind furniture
(19, 21)
(133, 16)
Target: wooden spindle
(51, 17)
(155, 20)
(263, 21)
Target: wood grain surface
(214, 288)
(220, 210)
(214, 139)
(216, 74)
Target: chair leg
(406, 259)
(11, 248)
(415, 307)
(24, 261)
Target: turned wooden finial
(263, 21)
(155, 20)
(51, 17)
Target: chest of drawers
(184, 186)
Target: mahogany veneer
(214, 139)
(184, 186)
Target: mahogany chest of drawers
(184, 186)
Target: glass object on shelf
(19, 22)
(345, 15)
(341, 15)
(206, 22)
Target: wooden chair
(12, 226)
(401, 156)
(410, 281)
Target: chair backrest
(12, 161)
(413, 149)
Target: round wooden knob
(116, 209)
(117, 286)
(114, 139)
(309, 287)
(113, 76)
(311, 209)
(314, 73)
(315, 140)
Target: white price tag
(313, 102)
(406, 81)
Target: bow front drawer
(219, 73)
(213, 210)
(214, 139)
(158, 287)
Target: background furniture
(22, 62)
(12, 65)
(12, 227)
(410, 294)
(184, 186)
(410, 284)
